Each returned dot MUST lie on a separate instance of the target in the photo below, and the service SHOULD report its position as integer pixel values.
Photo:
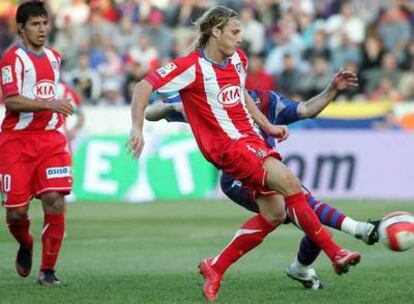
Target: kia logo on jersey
(44, 90)
(229, 95)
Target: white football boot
(367, 232)
(307, 277)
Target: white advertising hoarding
(353, 164)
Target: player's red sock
(52, 236)
(304, 216)
(250, 235)
(20, 230)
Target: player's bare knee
(53, 202)
(275, 217)
(13, 214)
(279, 218)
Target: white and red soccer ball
(396, 230)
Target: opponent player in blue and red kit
(281, 110)
(222, 116)
(34, 160)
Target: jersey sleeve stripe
(180, 81)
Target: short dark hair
(32, 8)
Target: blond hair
(218, 17)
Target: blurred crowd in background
(293, 46)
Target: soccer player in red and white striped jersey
(211, 84)
(34, 161)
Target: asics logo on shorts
(57, 172)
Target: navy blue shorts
(238, 193)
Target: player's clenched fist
(135, 143)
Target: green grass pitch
(121, 253)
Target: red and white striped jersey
(33, 76)
(65, 92)
(213, 98)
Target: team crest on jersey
(44, 90)
(239, 67)
(229, 95)
(260, 153)
(167, 69)
(6, 74)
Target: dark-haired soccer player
(34, 161)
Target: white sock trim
(299, 266)
(349, 226)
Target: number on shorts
(5, 183)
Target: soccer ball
(396, 230)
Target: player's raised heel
(344, 259)
(212, 279)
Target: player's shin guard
(303, 215)
(52, 236)
(308, 251)
(20, 230)
(250, 235)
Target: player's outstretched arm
(277, 131)
(140, 100)
(340, 81)
(19, 103)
